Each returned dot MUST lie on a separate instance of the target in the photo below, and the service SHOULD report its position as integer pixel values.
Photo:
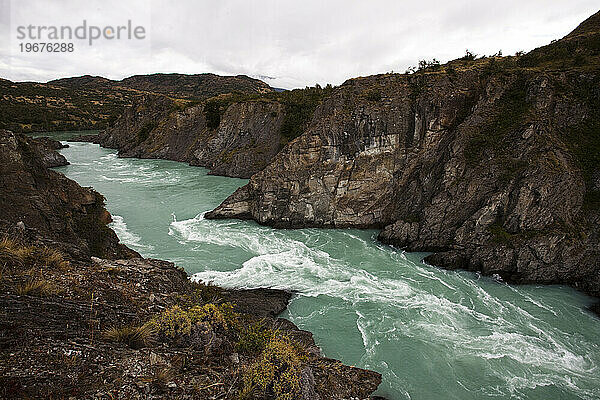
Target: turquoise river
(431, 333)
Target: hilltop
(93, 103)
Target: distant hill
(199, 86)
(93, 102)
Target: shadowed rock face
(47, 148)
(491, 165)
(245, 141)
(49, 207)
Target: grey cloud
(297, 42)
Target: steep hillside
(45, 207)
(492, 164)
(90, 102)
(234, 134)
(198, 86)
(38, 107)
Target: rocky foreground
(85, 317)
(492, 164)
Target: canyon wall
(491, 164)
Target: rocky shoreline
(85, 317)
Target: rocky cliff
(77, 326)
(44, 206)
(235, 134)
(491, 164)
(243, 140)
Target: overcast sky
(285, 43)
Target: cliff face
(44, 206)
(491, 164)
(246, 138)
(85, 327)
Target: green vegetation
(274, 362)
(584, 139)
(202, 293)
(575, 52)
(373, 95)
(299, 106)
(32, 107)
(499, 235)
(469, 56)
(212, 112)
(433, 65)
(275, 374)
(255, 338)
(177, 321)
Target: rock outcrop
(48, 207)
(78, 326)
(243, 141)
(491, 164)
(97, 329)
(47, 148)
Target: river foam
(431, 333)
(518, 350)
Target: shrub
(499, 235)
(276, 373)
(217, 316)
(145, 130)
(299, 106)
(469, 56)
(172, 322)
(373, 95)
(212, 113)
(255, 338)
(426, 64)
(176, 321)
(512, 111)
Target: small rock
(21, 225)
(172, 385)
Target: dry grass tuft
(52, 258)
(135, 337)
(162, 376)
(14, 254)
(8, 252)
(37, 287)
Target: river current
(431, 333)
